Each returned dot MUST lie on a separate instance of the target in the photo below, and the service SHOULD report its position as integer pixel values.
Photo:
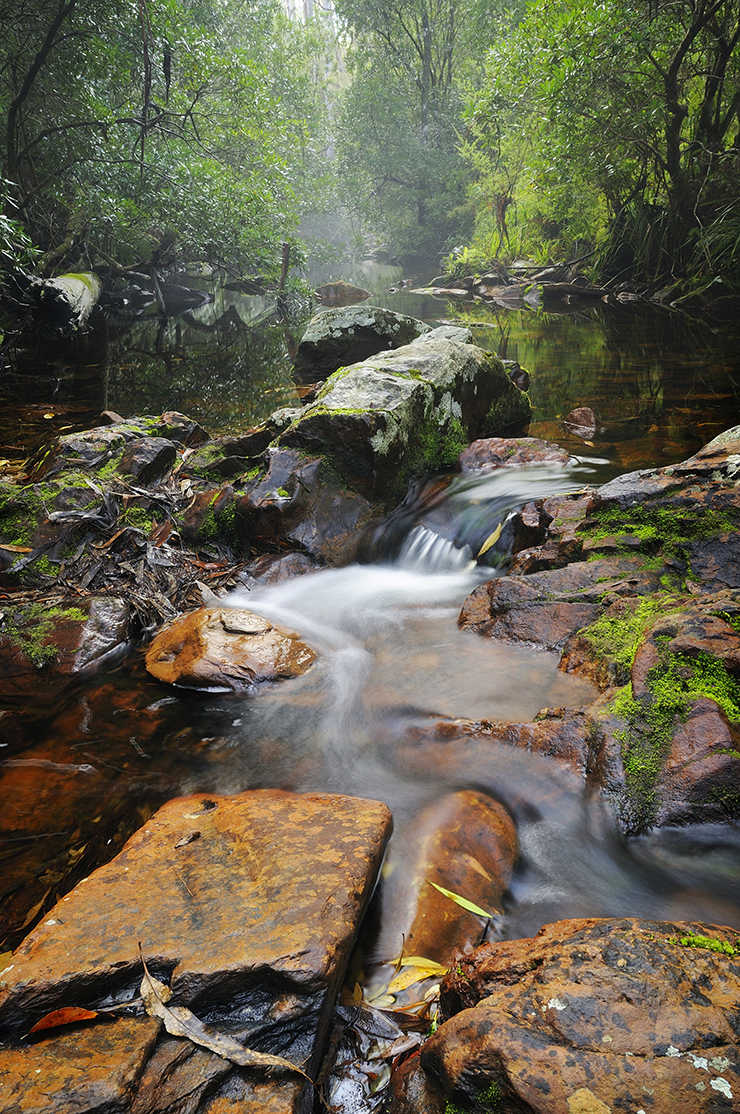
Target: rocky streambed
(245, 908)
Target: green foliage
(137, 130)
(400, 123)
(610, 124)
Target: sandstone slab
(595, 1015)
(226, 650)
(248, 906)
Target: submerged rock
(594, 1016)
(339, 337)
(467, 844)
(226, 650)
(247, 906)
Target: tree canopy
(613, 123)
(134, 125)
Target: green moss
(673, 684)
(489, 1101)
(696, 940)
(219, 524)
(659, 526)
(139, 518)
(31, 630)
(615, 637)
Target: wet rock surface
(247, 905)
(339, 337)
(490, 453)
(594, 1015)
(408, 410)
(630, 585)
(467, 844)
(226, 649)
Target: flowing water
(390, 653)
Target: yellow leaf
(463, 902)
(491, 540)
(417, 972)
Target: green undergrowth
(30, 631)
(673, 684)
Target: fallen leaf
(68, 1015)
(409, 975)
(179, 1021)
(16, 548)
(463, 902)
(491, 540)
(421, 961)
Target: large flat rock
(247, 906)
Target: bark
(62, 305)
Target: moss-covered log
(62, 305)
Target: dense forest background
(153, 130)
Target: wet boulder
(490, 453)
(465, 844)
(341, 293)
(594, 1015)
(247, 906)
(302, 502)
(212, 517)
(226, 650)
(549, 607)
(339, 337)
(148, 459)
(58, 639)
(410, 410)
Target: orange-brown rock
(467, 844)
(594, 1015)
(247, 905)
(498, 452)
(226, 649)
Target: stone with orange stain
(592, 1016)
(247, 905)
(226, 649)
(467, 844)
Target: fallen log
(62, 305)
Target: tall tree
(400, 126)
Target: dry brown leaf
(68, 1015)
(179, 1021)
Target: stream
(390, 652)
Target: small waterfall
(424, 550)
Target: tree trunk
(62, 305)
